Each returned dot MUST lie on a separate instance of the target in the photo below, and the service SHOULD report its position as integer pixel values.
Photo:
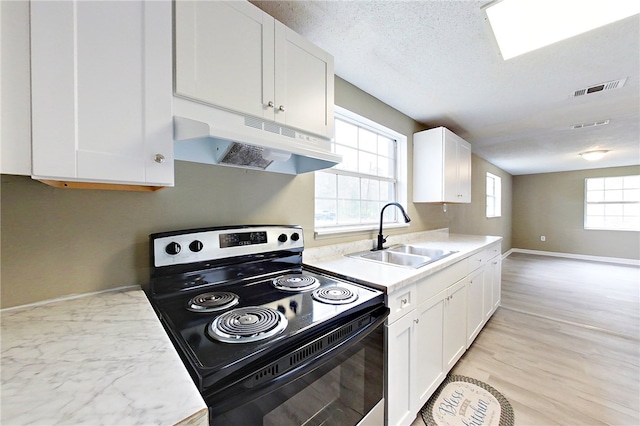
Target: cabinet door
(476, 294)
(225, 55)
(401, 364)
(441, 167)
(464, 172)
(101, 91)
(455, 324)
(430, 367)
(495, 266)
(15, 138)
(450, 158)
(304, 81)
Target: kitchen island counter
(389, 278)
(102, 358)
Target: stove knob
(173, 248)
(196, 246)
(295, 236)
(282, 238)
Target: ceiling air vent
(600, 87)
(585, 125)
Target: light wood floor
(564, 347)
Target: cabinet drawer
(493, 251)
(433, 284)
(401, 302)
(477, 260)
(481, 258)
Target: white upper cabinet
(15, 131)
(234, 56)
(219, 55)
(101, 92)
(441, 167)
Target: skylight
(521, 26)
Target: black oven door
(338, 387)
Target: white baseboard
(622, 261)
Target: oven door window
(335, 390)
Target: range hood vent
(205, 134)
(600, 87)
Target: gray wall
(471, 218)
(57, 242)
(552, 204)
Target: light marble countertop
(390, 278)
(99, 359)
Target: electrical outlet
(543, 238)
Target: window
(350, 195)
(612, 203)
(494, 195)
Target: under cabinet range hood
(205, 134)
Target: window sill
(612, 229)
(356, 229)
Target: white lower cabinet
(415, 359)
(429, 371)
(422, 346)
(483, 289)
(494, 279)
(401, 362)
(454, 335)
(431, 325)
(476, 293)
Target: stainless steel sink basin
(405, 256)
(432, 253)
(395, 258)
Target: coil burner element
(213, 301)
(296, 282)
(335, 295)
(249, 324)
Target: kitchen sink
(432, 253)
(406, 256)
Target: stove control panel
(236, 239)
(191, 246)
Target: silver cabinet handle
(281, 108)
(270, 104)
(158, 158)
(403, 301)
(417, 320)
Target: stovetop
(301, 310)
(245, 261)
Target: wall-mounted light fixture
(593, 155)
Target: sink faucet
(381, 239)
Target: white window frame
(400, 178)
(622, 203)
(493, 191)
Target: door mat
(463, 401)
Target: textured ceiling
(437, 62)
